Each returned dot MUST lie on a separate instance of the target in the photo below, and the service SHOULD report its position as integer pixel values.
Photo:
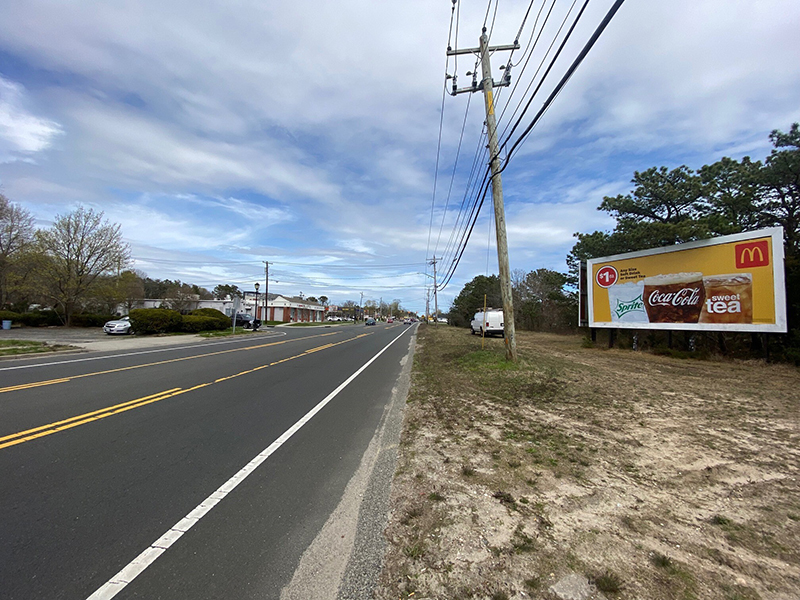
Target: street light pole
(256, 304)
(266, 290)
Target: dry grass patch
(651, 476)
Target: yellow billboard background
(717, 259)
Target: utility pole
(361, 305)
(427, 304)
(487, 85)
(435, 292)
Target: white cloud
(310, 129)
(22, 134)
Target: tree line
(81, 265)
(543, 300)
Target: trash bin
(6, 324)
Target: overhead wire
(460, 225)
(465, 238)
(548, 102)
(567, 76)
(203, 263)
(532, 48)
(552, 62)
(441, 127)
(453, 176)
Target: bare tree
(181, 298)
(16, 233)
(75, 251)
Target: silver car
(118, 326)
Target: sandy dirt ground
(648, 477)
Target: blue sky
(220, 135)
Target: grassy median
(17, 347)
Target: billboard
(729, 283)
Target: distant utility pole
(361, 305)
(487, 85)
(435, 292)
(427, 303)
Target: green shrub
(198, 323)
(224, 320)
(39, 318)
(7, 315)
(155, 320)
(36, 318)
(90, 320)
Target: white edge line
(133, 569)
(167, 349)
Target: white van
(488, 323)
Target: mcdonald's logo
(752, 254)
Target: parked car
(247, 321)
(118, 326)
(370, 321)
(488, 323)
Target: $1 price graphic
(606, 277)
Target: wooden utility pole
(427, 304)
(487, 84)
(435, 293)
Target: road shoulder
(345, 559)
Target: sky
(317, 136)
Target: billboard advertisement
(730, 283)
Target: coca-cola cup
(674, 298)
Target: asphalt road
(104, 455)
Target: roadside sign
(729, 283)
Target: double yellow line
(35, 384)
(51, 428)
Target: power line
(575, 64)
(479, 198)
(550, 66)
(453, 176)
(530, 55)
(441, 126)
(201, 263)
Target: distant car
(118, 326)
(390, 320)
(370, 321)
(247, 321)
(406, 321)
